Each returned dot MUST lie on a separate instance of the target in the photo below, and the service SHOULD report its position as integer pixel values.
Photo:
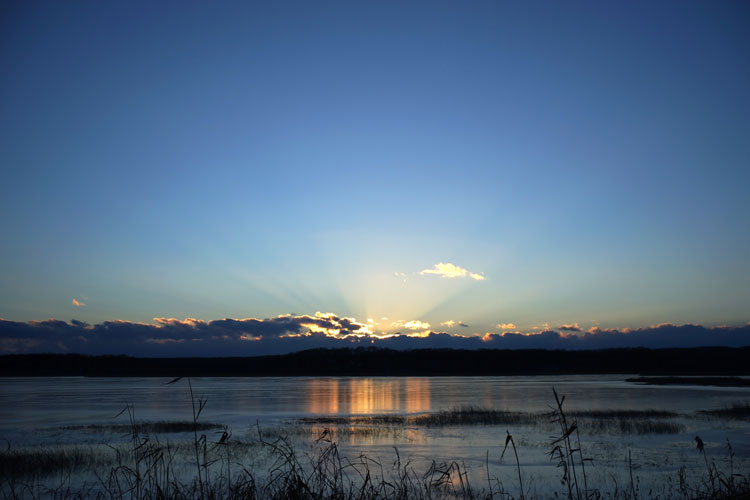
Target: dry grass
(622, 414)
(737, 411)
(619, 421)
(715, 381)
(159, 427)
(356, 420)
(628, 422)
(475, 415)
(338, 432)
(632, 427)
(47, 460)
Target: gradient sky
(589, 160)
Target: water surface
(34, 410)
(31, 402)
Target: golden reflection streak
(361, 396)
(418, 397)
(323, 396)
(368, 396)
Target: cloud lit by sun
(451, 323)
(411, 325)
(448, 270)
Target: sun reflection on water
(418, 395)
(368, 396)
(323, 396)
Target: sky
(465, 169)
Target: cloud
(169, 337)
(450, 324)
(506, 326)
(78, 304)
(411, 325)
(188, 337)
(656, 336)
(570, 328)
(448, 270)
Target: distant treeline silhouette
(377, 361)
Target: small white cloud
(448, 270)
(506, 326)
(77, 303)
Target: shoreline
(716, 381)
(664, 363)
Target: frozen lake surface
(34, 411)
(33, 402)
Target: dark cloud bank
(285, 334)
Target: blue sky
(243, 159)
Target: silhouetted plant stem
(487, 469)
(568, 450)
(583, 465)
(632, 483)
(196, 445)
(509, 439)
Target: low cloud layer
(288, 333)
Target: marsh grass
(619, 421)
(47, 460)
(159, 427)
(737, 411)
(628, 422)
(623, 414)
(475, 415)
(342, 432)
(356, 420)
(631, 427)
(328, 475)
(715, 381)
(463, 415)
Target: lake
(58, 410)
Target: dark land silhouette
(384, 362)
